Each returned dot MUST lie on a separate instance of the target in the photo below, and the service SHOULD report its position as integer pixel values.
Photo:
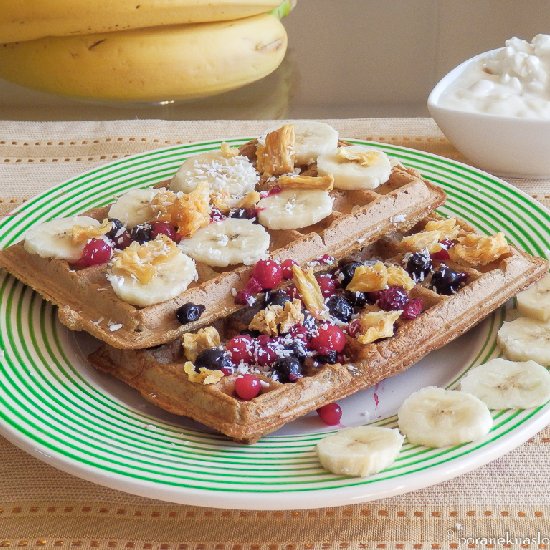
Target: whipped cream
(511, 81)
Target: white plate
(56, 407)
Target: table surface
(41, 507)
(346, 59)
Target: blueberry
(117, 229)
(141, 233)
(213, 359)
(276, 298)
(340, 308)
(393, 298)
(345, 273)
(358, 299)
(418, 265)
(298, 350)
(328, 358)
(446, 281)
(289, 369)
(188, 313)
(242, 213)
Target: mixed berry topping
(213, 359)
(412, 309)
(330, 414)
(163, 228)
(276, 298)
(340, 308)
(443, 254)
(446, 281)
(392, 299)
(247, 387)
(327, 285)
(243, 213)
(288, 369)
(287, 268)
(418, 265)
(216, 215)
(95, 252)
(268, 273)
(189, 313)
(328, 338)
(141, 233)
(241, 349)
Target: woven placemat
(40, 507)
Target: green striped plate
(56, 407)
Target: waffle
(159, 376)
(87, 302)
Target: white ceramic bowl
(505, 145)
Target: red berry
(443, 254)
(327, 285)
(247, 387)
(96, 251)
(264, 354)
(287, 268)
(275, 190)
(440, 255)
(354, 327)
(241, 348)
(163, 228)
(328, 337)
(247, 295)
(330, 414)
(413, 309)
(268, 273)
(392, 298)
(227, 371)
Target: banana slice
(526, 339)
(134, 207)
(436, 417)
(312, 138)
(294, 209)
(356, 167)
(503, 384)
(535, 301)
(231, 241)
(151, 273)
(53, 239)
(359, 451)
(233, 177)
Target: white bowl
(505, 145)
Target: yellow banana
(179, 62)
(31, 19)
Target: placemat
(504, 504)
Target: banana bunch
(142, 50)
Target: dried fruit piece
(478, 249)
(324, 183)
(275, 319)
(276, 156)
(195, 342)
(363, 158)
(374, 325)
(397, 276)
(141, 261)
(309, 290)
(249, 200)
(369, 278)
(204, 376)
(83, 233)
(187, 211)
(228, 151)
(434, 231)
